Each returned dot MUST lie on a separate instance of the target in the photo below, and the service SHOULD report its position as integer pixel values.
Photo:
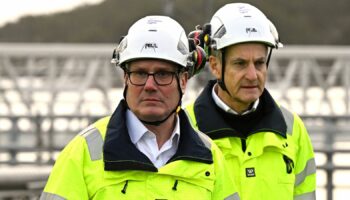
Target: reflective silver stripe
(310, 168)
(191, 119)
(289, 119)
(205, 139)
(50, 196)
(233, 196)
(95, 143)
(306, 196)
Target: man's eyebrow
(261, 58)
(239, 59)
(236, 59)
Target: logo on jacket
(250, 172)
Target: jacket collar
(119, 153)
(205, 106)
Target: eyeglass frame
(154, 74)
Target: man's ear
(215, 66)
(183, 81)
(126, 77)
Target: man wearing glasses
(147, 149)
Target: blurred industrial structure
(49, 92)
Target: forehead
(247, 49)
(152, 64)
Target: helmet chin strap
(221, 81)
(268, 58)
(175, 110)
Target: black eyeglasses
(162, 78)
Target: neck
(163, 131)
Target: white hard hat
(241, 22)
(156, 37)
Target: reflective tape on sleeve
(289, 119)
(233, 196)
(95, 143)
(50, 196)
(306, 196)
(310, 168)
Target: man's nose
(150, 82)
(251, 72)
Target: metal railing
(298, 76)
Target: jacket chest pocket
(121, 190)
(158, 189)
(277, 167)
(188, 190)
(273, 175)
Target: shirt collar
(191, 146)
(136, 128)
(228, 109)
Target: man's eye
(260, 62)
(140, 73)
(239, 63)
(163, 74)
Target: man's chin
(152, 115)
(153, 118)
(248, 101)
(251, 97)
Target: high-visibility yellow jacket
(102, 163)
(274, 161)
